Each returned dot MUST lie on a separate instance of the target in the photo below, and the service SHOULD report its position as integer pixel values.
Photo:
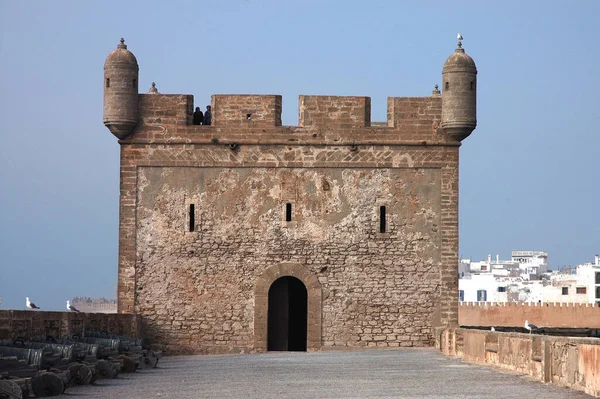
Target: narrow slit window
(107, 82)
(192, 217)
(382, 222)
(288, 212)
(134, 83)
(472, 85)
(447, 86)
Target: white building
(531, 262)
(525, 278)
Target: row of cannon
(39, 368)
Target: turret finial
(153, 89)
(122, 45)
(436, 91)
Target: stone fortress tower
(247, 236)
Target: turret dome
(459, 60)
(121, 56)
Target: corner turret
(459, 95)
(121, 91)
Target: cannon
(57, 356)
(133, 347)
(23, 367)
(87, 353)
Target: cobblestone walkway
(408, 373)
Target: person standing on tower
(207, 116)
(198, 117)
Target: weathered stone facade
(365, 217)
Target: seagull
(72, 308)
(492, 329)
(530, 327)
(459, 37)
(29, 304)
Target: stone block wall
(203, 291)
(246, 110)
(334, 112)
(165, 110)
(38, 324)
(514, 314)
(563, 361)
(420, 114)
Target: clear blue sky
(529, 176)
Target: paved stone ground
(407, 373)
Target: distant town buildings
(95, 305)
(525, 278)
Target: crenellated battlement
(527, 304)
(413, 118)
(441, 118)
(542, 314)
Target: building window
(288, 212)
(461, 295)
(581, 290)
(597, 292)
(565, 290)
(192, 217)
(107, 82)
(382, 222)
(597, 277)
(481, 295)
(483, 268)
(501, 289)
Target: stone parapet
(327, 120)
(39, 324)
(563, 361)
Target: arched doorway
(287, 315)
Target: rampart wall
(514, 314)
(39, 324)
(563, 361)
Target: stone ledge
(563, 361)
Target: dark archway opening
(287, 316)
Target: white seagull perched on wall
(30, 304)
(530, 327)
(72, 308)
